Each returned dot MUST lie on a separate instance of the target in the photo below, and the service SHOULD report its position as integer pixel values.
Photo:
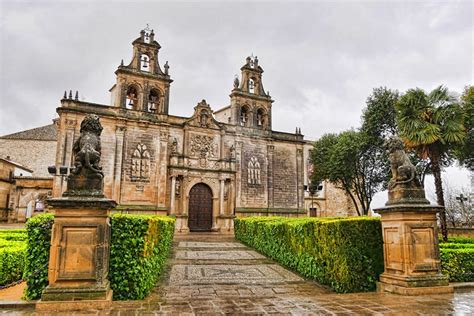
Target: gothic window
(251, 86)
(260, 117)
(243, 116)
(253, 170)
(144, 62)
(153, 101)
(131, 100)
(140, 168)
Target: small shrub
(139, 247)
(12, 262)
(37, 254)
(344, 253)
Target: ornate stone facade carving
(203, 146)
(140, 168)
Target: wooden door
(200, 208)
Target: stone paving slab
(219, 255)
(231, 274)
(200, 244)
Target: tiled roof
(47, 132)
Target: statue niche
(404, 186)
(86, 177)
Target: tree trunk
(436, 169)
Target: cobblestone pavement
(214, 275)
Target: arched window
(260, 117)
(244, 116)
(144, 62)
(251, 86)
(131, 100)
(253, 171)
(140, 169)
(154, 101)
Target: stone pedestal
(79, 254)
(411, 251)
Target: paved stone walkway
(214, 275)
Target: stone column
(119, 142)
(173, 194)
(221, 196)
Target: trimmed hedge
(344, 253)
(37, 254)
(458, 264)
(457, 258)
(12, 255)
(139, 247)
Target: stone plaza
(233, 279)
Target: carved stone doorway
(200, 208)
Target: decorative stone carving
(174, 147)
(253, 170)
(404, 186)
(140, 168)
(202, 145)
(86, 176)
(232, 152)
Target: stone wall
(285, 194)
(33, 154)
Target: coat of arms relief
(203, 148)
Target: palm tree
(432, 125)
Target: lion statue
(403, 171)
(86, 149)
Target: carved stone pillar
(221, 196)
(119, 142)
(173, 194)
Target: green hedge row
(344, 253)
(458, 264)
(460, 240)
(139, 247)
(455, 246)
(37, 254)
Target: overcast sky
(321, 59)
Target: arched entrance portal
(200, 208)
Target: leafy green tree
(347, 161)
(465, 153)
(379, 115)
(433, 125)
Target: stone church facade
(204, 169)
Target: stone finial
(86, 176)
(65, 94)
(404, 186)
(121, 63)
(255, 61)
(76, 97)
(70, 94)
(167, 67)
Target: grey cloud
(321, 59)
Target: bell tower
(142, 85)
(250, 105)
